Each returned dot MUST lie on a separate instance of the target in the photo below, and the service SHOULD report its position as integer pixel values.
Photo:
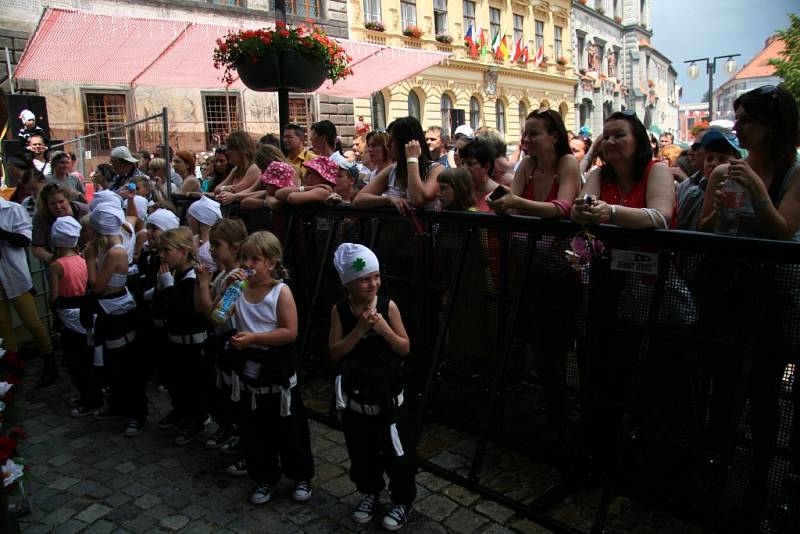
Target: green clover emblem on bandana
(359, 264)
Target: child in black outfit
(368, 337)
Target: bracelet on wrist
(613, 213)
(412, 159)
(301, 189)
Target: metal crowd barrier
(666, 371)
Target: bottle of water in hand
(224, 307)
(730, 213)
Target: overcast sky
(689, 29)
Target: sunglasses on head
(628, 113)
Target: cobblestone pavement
(87, 477)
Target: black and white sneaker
(106, 414)
(189, 432)
(238, 469)
(366, 507)
(262, 494)
(235, 447)
(169, 420)
(134, 428)
(219, 438)
(82, 410)
(396, 518)
(302, 491)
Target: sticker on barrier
(634, 261)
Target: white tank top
(260, 317)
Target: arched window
(414, 109)
(523, 112)
(447, 105)
(500, 113)
(474, 113)
(378, 111)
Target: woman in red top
(548, 177)
(631, 189)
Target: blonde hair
(266, 154)
(180, 238)
(243, 144)
(231, 231)
(266, 245)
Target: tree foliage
(788, 66)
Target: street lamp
(711, 66)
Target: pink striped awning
(90, 48)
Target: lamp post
(711, 66)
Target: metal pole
(167, 158)
(10, 72)
(711, 66)
(81, 158)
(283, 94)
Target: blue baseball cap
(713, 136)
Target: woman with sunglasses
(766, 125)
(631, 189)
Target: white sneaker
(262, 494)
(302, 491)
(396, 518)
(238, 469)
(366, 507)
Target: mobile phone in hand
(497, 193)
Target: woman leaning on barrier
(631, 189)
(547, 180)
(767, 126)
(411, 181)
(241, 152)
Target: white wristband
(301, 189)
(165, 280)
(412, 160)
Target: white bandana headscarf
(65, 232)
(205, 211)
(354, 261)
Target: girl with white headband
(68, 278)
(368, 337)
(115, 327)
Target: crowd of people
(126, 276)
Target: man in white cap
(125, 166)
(29, 126)
(368, 337)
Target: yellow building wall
(463, 76)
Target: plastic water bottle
(730, 213)
(224, 308)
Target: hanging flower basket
(298, 58)
(444, 38)
(561, 60)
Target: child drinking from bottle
(226, 238)
(274, 425)
(368, 337)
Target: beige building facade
(483, 90)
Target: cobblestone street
(87, 477)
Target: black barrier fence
(666, 371)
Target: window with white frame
(500, 113)
(446, 107)
(408, 12)
(414, 108)
(494, 22)
(559, 47)
(440, 17)
(468, 7)
(539, 34)
(372, 10)
(474, 113)
(519, 25)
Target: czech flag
(469, 40)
